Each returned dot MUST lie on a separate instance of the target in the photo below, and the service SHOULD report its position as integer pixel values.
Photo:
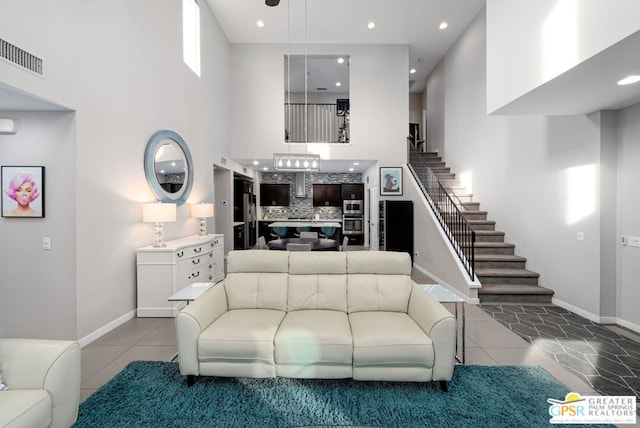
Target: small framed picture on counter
(391, 181)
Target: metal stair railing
(454, 224)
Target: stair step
(498, 261)
(507, 276)
(445, 177)
(487, 247)
(482, 224)
(441, 170)
(510, 293)
(471, 206)
(489, 236)
(435, 163)
(474, 215)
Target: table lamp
(158, 214)
(202, 211)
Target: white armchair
(43, 381)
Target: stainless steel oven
(352, 208)
(352, 225)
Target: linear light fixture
(296, 162)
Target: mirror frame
(155, 142)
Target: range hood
(300, 192)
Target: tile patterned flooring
(606, 357)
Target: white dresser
(164, 271)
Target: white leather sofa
(43, 381)
(317, 315)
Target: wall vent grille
(20, 57)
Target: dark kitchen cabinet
(274, 195)
(327, 195)
(353, 192)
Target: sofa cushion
(378, 262)
(25, 408)
(240, 335)
(378, 281)
(317, 281)
(316, 336)
(389, 339)
(257, 280)
(257, 261)
(371, 292)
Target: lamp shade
(202, 210)
(158, 213)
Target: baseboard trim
(467, 298)
(106, 328)
(596, 318)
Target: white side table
(191, 292)
(444, 295)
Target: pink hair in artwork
(18, 181)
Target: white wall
(35, 281)
(538, 177)
(532, 42)
(379, 94)
(120, 68)
(628, 292)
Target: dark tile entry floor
(606, 357)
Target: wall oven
(352, 225)
(352, 208)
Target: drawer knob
(197, 250)
(195, 262)
(180, 253)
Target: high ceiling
(412, 22)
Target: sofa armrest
(193, 320)
(53, 365)
(440, 325)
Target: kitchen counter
(303, 220)
(237, 223)
(305, 223)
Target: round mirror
(168, 167)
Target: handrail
(454, 224)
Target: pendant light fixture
(292, 161)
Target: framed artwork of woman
(22, 191)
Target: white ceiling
(411, 22)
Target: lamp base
(159, 239)
(203, 226)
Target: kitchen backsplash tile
(303, 207)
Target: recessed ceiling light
(260, 23)
(413, 70)
(351, 169)
(340, 60)
(255, 162)
(356, 163)
(338, 84)
(629, 80)
(371, 25)
(264, 168)
(443, 25)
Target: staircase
(502, 274)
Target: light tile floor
(487, 343)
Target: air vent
(20, 57)
(321, 89)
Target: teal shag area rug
(154, 394)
